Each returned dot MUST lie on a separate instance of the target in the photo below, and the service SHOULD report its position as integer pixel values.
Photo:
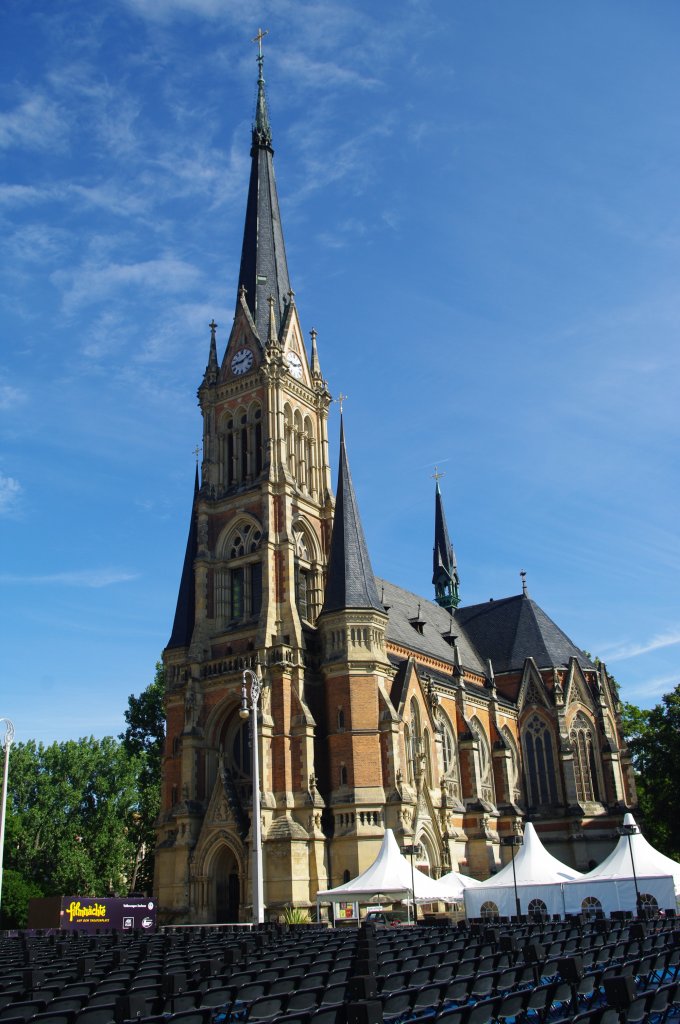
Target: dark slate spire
(444, 570)
(185, 613)
(264, 270)
(350, 582)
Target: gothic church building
(380, 708)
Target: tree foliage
(653, 738)
(143, 740)
(81, 813)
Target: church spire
(444, 569)
(350, 582)
(264, 269)
(185, 612)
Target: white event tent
(391, 877)
(539, 876)
(613, 883)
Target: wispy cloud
(36, 123)
(85, 285)
(169, 9)
(10, 397)
(621, 652)
(90, 578)
(10, 495)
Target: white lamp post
(244, 713)
(9, 737)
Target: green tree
(16, 892)
(143, 740)
(69, 812)
(653, 738)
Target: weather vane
(523, 574)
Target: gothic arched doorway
(227, 886)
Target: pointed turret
(444, 570)
(316, 365)
(264, 270)
(185, 612)
(350, 582)
(212, 369)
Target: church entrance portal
(227, 886)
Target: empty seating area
(600, 972)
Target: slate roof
(264, 268)
(515, 628)
(350, 582)
(185, 612)
(402, 609)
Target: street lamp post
(632, 830)
(9, 737)
(414, 848)
(244, 713)
(514, 841)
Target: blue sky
(480, 208)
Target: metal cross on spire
(340, 399)
(197, 452)
(437, 475)
(258, 39)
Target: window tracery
(240, 444)
(238, 584)
(540, 762)
(585, 768)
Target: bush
(16, 892)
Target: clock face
(242, 361)
(294, 365)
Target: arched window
(540, 762)
(513, 794)
(449, 755)
(307, 578)
(235, 746)
(310, 456)
(591, 906)
(585, 768)
(415, 739)
(238, 583)
(343, 775)
(488, 910)
(241, 446)
(428, 757)
(483, 757)
(341, 720)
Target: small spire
(316, 365)
(350, 582)
(444, 569)
(212, 369)
(262, 133)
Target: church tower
(251, 589)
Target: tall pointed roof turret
(264, 269)
(444, 569)
(350, 581)
(213, 368)
(185, 612)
